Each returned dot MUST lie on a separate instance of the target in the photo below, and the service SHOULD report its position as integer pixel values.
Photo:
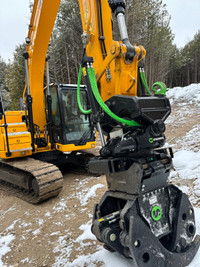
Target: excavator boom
(40, 29)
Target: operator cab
(70, 125)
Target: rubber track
(48, 177)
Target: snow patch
(47, 214)
(101, 256)
(87, 234)
(64, 248)
(11, 227)
(55, 233)
(191, 141)
(40, 221)
(4, 246)
(25, 260)
(91, 193)
(60, 206)
(189, 94)
(187, 164)
(36, 232)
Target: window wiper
(84, 137)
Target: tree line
(148, 23)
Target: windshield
(77, 125)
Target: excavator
(50, 130)
(142, 215)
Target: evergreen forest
(148, 23)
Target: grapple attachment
(142, 216)
(155, 229)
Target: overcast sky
(185, 19)
(15, 16)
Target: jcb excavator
(142, 215)
(33, 141)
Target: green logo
(156, 213)
(151, 140)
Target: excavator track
(29, 179)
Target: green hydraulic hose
(162, 87)
(142, 75)
(78, 94)
(92, 78)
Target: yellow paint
(124, 75)
(72, 147)
(84, 71)
(41, 26)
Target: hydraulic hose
(92, 78)
(78, 94)
(142, 76)
(162, 87)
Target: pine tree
(3, 88)
(148, 25)
(15, 77)
(65, 46)
(185, 66)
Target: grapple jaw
(147, 250)
(156, 229)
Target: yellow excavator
(33, 141)
(141, 215)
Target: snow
(187, 164)
(48, 214)
(64, 248)
(36, 232)
(55, 233)
(60, 206)
(4, 246)
(189, 94)
(91, 193)
(25, 260)
(11, 227)
(40, 221)
(87, 234)
(101, 256)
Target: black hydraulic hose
(100, 27)
(103, 41)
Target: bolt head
(112, 237)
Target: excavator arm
(40, 29)
(114, 75)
